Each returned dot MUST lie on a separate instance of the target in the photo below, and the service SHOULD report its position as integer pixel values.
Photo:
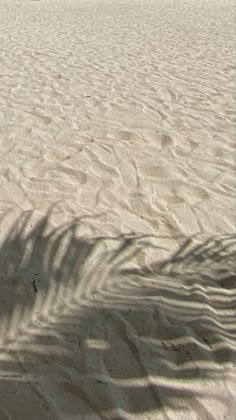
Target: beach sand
(117, 206)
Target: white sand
(120, 113)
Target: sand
(117, 206)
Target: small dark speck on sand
(34, 286)
(100, 382)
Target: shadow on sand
(89, 334)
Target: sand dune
(117, 121)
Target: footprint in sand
(128, 175)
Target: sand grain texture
(117, 205)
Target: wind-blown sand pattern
(117, 206)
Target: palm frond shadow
(81, 322)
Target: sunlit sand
(117, 206)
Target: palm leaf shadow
(81, 322)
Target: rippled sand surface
(117, 205)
